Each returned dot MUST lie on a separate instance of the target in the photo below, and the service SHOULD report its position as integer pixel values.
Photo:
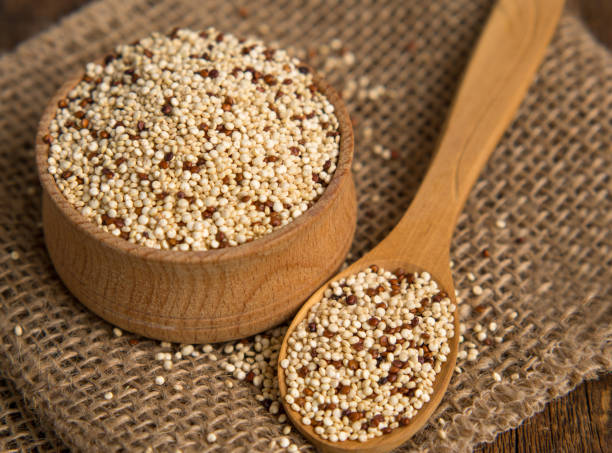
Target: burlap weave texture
(549, 180)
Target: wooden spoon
(501, 68)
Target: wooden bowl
(200, 296)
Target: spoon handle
(501, 69)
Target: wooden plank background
(579, 422)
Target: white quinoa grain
(117, 332)
(472, 355)
(14, 255)
(497, 377)
(18, 330)
(211, 438)
(187, 349)
(108, 396)
(283, 442)
(500, 223)
(477, 290)
(159, 380)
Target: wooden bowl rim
(285, 233)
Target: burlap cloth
(549, 180)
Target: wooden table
(578, 422)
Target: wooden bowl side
(203, 296)
(398, 436)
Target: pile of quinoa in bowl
(365, 358)
(193, 141)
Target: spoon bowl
(399, 435)
(506, 57)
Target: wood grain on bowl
(200, 296)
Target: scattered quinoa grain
(496, 377)
(283, 442)
(159, 380)
(477, 290)
(108, 396)
(472, 355)
(117, 332)
(500, 223)
(211, 438)
(14, 255)
(18, 330)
